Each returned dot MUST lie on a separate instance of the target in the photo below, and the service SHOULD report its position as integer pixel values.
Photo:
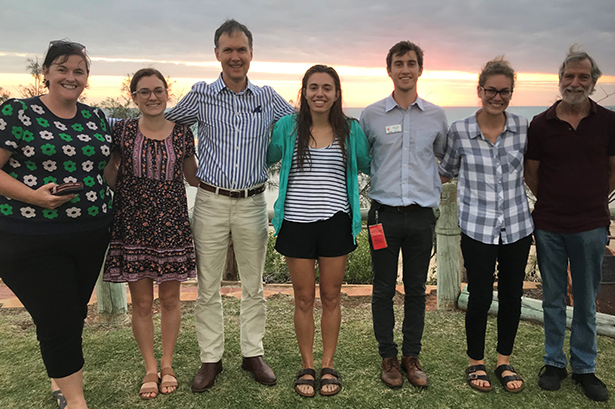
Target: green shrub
(276, 270)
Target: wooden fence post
(111, 300)
(448, 250)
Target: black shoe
(593, 387)
(550, 377)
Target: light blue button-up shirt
(405, 145)
(233, 130)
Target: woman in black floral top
(53, 246)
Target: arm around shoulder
(275, 150)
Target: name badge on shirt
(393, 129)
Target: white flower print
(46, 135)
(24, 118)
(14, 163)
(29, 180)
(28, 151)
(38, 109)
(108, 137)
(91, 196)
(99, 178)
(12, 144)
(60, 125)
(50, 165)
(88, 165)
(69, 150)
(105, 150)
(69, 179)
(104, 208)
(84, 138)
(28, 212)
(2, 124)
(92, 125)
(73, 212)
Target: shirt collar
(551, 114)
(509, 125)
(219, 85)
(390, 103)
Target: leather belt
(410, 208)
(233, 194)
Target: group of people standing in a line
(53, 244)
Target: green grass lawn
(113, 368)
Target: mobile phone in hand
(67, 188)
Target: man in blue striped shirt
(234, 118)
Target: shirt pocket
(515, 161)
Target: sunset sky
(458, 37)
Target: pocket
(515, 161)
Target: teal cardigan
(282, 146)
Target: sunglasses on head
(62, 43)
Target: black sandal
(472, 376)
(309, 382)
(330, 381)
(60, 399)
(504, 380)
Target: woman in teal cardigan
(317, 214)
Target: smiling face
(67, 77)
(156, 102)
(320, 93)
(575, 84)
(493, 103)
(234, 54)
(405, 71)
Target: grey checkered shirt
(490, 191)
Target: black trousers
(412, 233)
(53, 276)
(480, 260)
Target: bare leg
(72, 389)
(303, 277)
(505, 360)
(142, 293)
(170, 320)
(331, 277)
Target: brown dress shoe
(206, 376)
(416, 375)
(260, 370)
(391, 376)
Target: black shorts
(324, 238)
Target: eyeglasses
(145, 93)
(61, 43)
(492, 92)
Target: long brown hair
(337, 119)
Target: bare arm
(444, 179)
(14, 189)
(112, 168)
(531, 175)
(190, 167)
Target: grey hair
(575, 55)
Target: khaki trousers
(215, 217)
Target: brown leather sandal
(167, 384)
(337, 380)
(149, 378)
(299, 380)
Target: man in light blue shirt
(234, 118)
(406, 134)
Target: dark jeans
(53, 276)
(412, 232)
(480, 260)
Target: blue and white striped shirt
(233, 130)
(490, 190)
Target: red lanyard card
(377, 234)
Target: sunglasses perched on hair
(61, 43)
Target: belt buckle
(235, 194)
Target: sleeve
(533, 141)
(187, 109)
(449, 166)
(190, 149)
(611, 127)
(276, 146)
(281, 107)
(116, 135)
(439, 145)
(364, 158)
(11, 126)
(363, 121)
